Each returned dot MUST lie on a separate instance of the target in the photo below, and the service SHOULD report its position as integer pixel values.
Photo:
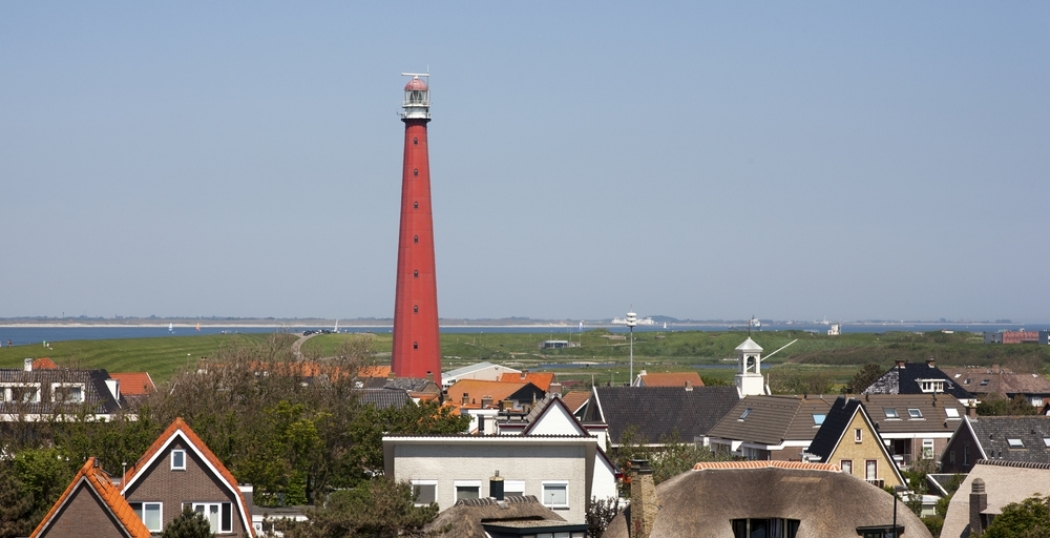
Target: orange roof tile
(575, 399)
(373, 371)
(672, 379)
(765, 464)
(179, 426)
(542, 380)
(478, 388)
(100, 482)
(134, 383)
(44, 363)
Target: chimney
(688, 386)
(486, 402)
(496, 486)
(978, 504)
(643, 499)
(971, 409)
(28, 365)
(430, 376)
(931, 362)
(555, 388)
(391, 375)
(466, 398)
(524, 373)
(899, 364)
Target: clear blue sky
(853, 160)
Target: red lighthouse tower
(416, 349)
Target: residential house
(990, 486)
(1022, 439)
(768, 427)
(668, 379)
(557, 469)
(914, 426)
(655, 415)
(177, 470)
(745, 499)
(418, 389)
(983, 382)
(913, 378)
(134, 386)
(848, 438)
(485, 371)
(91, 507)
(32, 394)
(503, 517)
(577, 400)
(543, 380)
(484, 400)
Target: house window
(818, 418)
(745, 414)
(219, 515)
(914, 413)
(468, 489)
(846, 466)
(20, 392)
(1015, 443)
(932, 385)
(556, 494)
(951, 412)
(871, 470)
(1046, 442)
(150, 514)
(67, 392)
(424, 491)
(774, 527)
(858, 435)
(984, 382)
(927, 448)
(513, 488)
(890, 412)
(966, 455)
(178, 460)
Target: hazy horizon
(695, 160)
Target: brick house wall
(960, 454)
(860, 453)
(84, 516)
(197, 483)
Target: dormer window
(178, 460)
(932, 385)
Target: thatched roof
(465, 518)
(1005, 482)
(825, 501)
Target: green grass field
(600, 355)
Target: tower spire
(416, 348)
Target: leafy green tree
(378, 508)
(189, 524)
(600, 512)
(44, 473)
(16, 505)
(868, 374)
(995, 405)
(1029, 518)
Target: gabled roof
(384, 398)
(477, 389)
(904, 379)
(836, 426)
(180, 430)
(374, 371)
(998, 381)
(659, 412)
(134, 383)
(465, 518)
(993, 435)
(576, 399)
(933, 413)
(550, 406)
(542, 380)
(771, 420)
(669, 379)
(99, 483)
(97, 396)
(44, 363)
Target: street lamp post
(632, 320)
(896, 490)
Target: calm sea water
(36, 335)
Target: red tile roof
(179, 426)
(672, 379)
(542, 380)
(575, 399)
(765, 464)
(100, 482)
(134, 383)
(44, 363)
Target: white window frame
(465, 484)
(891, 413)
(513, 486)
(8, 394)
(424, 483)
(914, 414)
(81, 386)
(1014, 442)
(927, 448)
(176, 467)
(952, 412)
(556, 483)
(141, 513)
(207, 505)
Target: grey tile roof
(660, 412)
(998, 381)
(933, 411)
(994, 435)
(384, 398)
(838, 420)
(772, 419)
(97, 396)
(904, 379)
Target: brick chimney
(496, 487)
(466, 398)
(643, 499)
(978, 504)
(689, 386)
(486, 402)
(931, 362)
(971, 409)
(899, 364)
(27, 365)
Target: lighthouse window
(415, 308)
(415, 172)
(415, 238)
(415, 345)
(415, 205)
(415, 141)
(415, 274)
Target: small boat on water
(171, 327)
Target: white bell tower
(749, 380)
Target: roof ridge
(766, 464)
(1011, 463)
(98, 480)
